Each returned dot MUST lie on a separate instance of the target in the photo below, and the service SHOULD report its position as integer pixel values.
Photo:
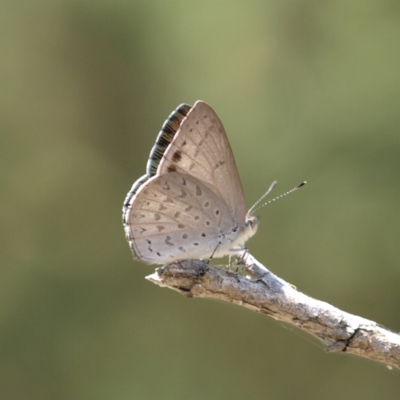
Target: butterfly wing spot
(182, 249)
(166, 186)
(195, 244)
(184, 236)
(188, 208)
(160, 228)
(203, 234)
(171, 168)
(138, 216)
(168, 241)
(177, 156)
(181, 226)
(196, 218)
(157, 217)
(216, 212)
(207, 222)
(183, 182)
(182, 195)
(206, 204)
(198, 191)
(177, 214)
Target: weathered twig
(267, 294)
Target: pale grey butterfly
(190, 203)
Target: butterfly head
(251, 226)
(252, 222)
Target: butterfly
(190, 203)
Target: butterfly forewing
(201, 149)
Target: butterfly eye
(252, 221)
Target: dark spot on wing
(171, 168)
(177, 156)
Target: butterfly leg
(212, 254)
(240, 258)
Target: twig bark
(266, 293)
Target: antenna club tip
(302, 184)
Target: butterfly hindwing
(175, 216)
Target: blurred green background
(306, 90)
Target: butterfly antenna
(273, 184)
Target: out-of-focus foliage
(306, 90)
